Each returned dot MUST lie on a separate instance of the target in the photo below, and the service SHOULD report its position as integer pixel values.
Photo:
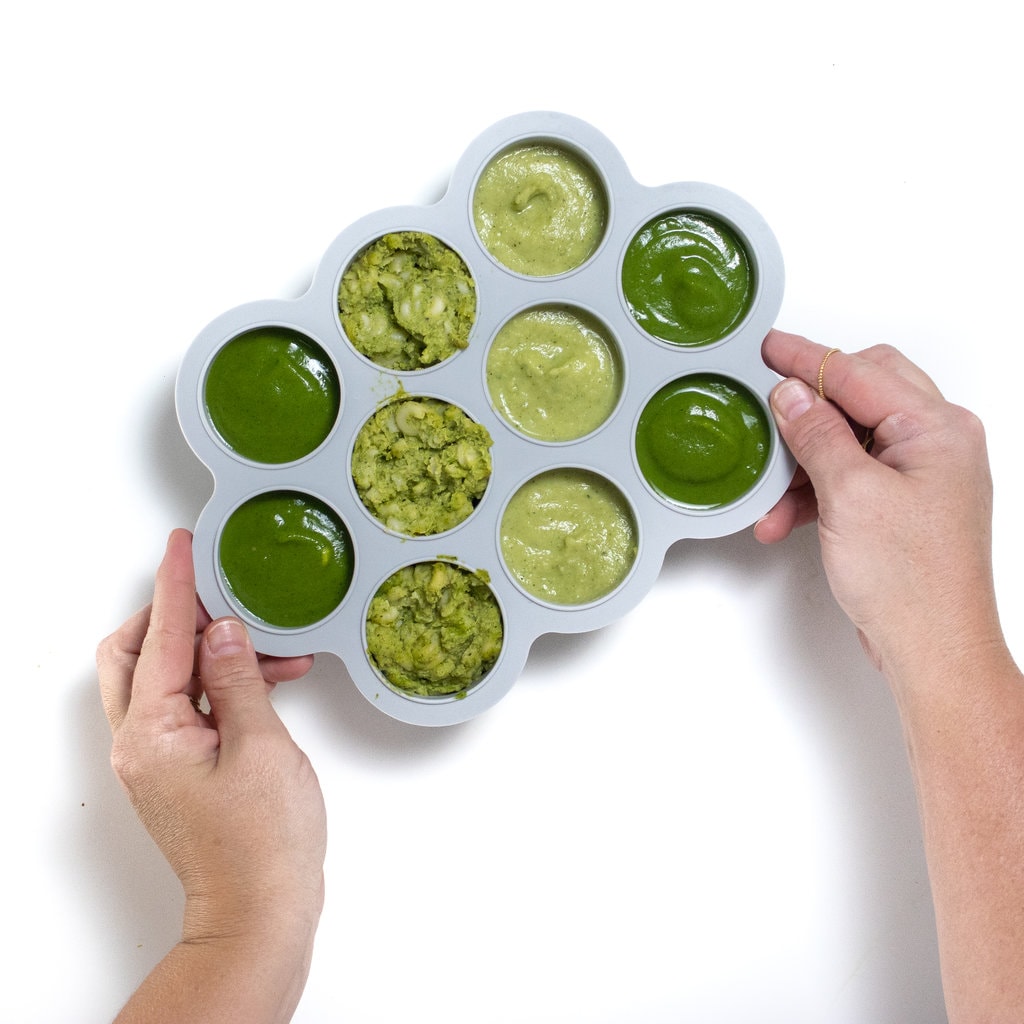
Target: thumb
(816, 432)
(232, 679)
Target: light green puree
(552, 374)
(407, 301)
(568, 536)
(687, 278)
(272, 394)
(703, 440)
(287, 558)
(420, 465)
(539, 209)
(434, 629)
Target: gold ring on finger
(821, 370)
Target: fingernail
(227, 636)
(792, 398)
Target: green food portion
(687, 279)
(286, 558)
(272, 394)
(420, 465)
(433, 629)
(703, 441)
(553, 375)
(568, 536)
(539, 209)
(407, 301)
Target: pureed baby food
(272, 394)
(540, 209)
(569, 536)
(487, 419)
(554, 373)
(703, 440)
(286, 557)
(687, 278)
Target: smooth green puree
(407, 301)
(687, 278)
(539, 209)
(568, 536)
(434, 629)
(553, 374)
(703, 441)
(287, 558)
(272, 394)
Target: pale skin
(905, 536)
(906, 543)
(228, 797)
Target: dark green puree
(272, 394)
(287, 558)
(687, 278)
(703, 441)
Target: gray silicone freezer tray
(646, 363)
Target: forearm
(245, 979)
(964, 724)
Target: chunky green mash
(433, 629)
(420, 465)
(407, 301)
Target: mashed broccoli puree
(420, 465)
(287, 558)
(433, 629)
(552, 374)
(703, 440)
(407, 301)
(568, 536)
(272, 394)
(687, 278)
(539, 209)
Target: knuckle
(236, 672)
(882, 353)
(970, 425)
(134, 755)
(124, 760)
(106, 650)
(111, 653)
(816, 431)
(959, 430)
(967, 442)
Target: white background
(700, 813)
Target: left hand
(228, 797)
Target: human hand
(230, 800)
(905, 530)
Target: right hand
(905, 530)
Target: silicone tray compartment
(646, 363)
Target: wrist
(945, 674)
(232, 966)
(283, 916)
(943, 629)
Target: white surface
(702, 812)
